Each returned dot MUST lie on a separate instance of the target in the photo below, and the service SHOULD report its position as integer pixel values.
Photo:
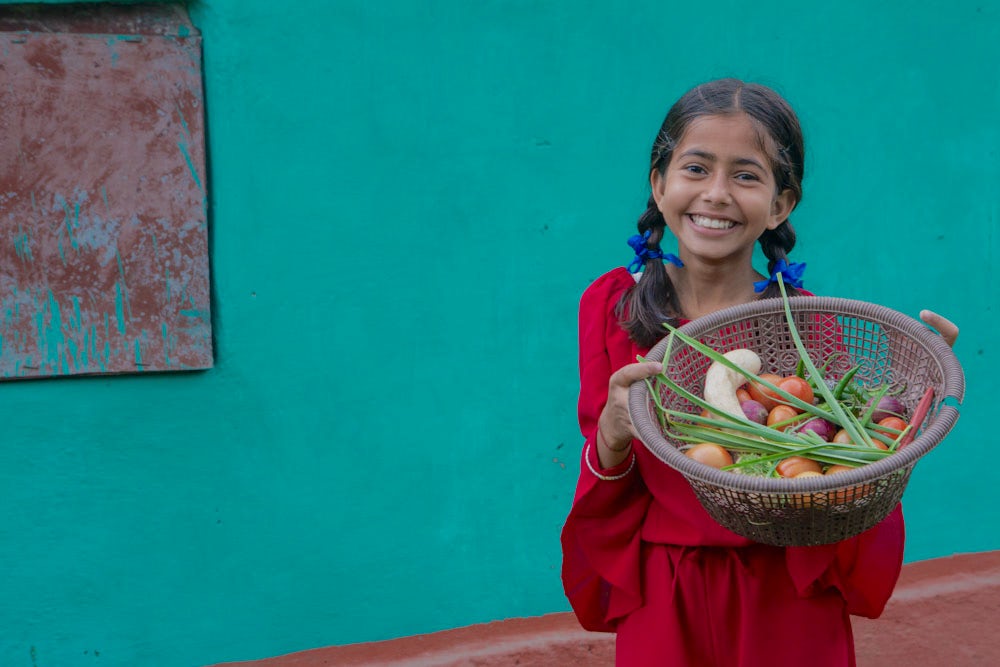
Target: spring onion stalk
(815, 453)
(847, 423)
(824, 452)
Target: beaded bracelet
(606, 478)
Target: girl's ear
(782, 207)
(658, 183)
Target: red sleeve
(600, 539)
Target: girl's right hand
(614, 428)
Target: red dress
(642, 558)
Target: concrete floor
(943, 613)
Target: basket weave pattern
(889, 346)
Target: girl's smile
(708, 222)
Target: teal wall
(406, 201)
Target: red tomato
(893, 423)
(843, 437)
(833, 470)
(761, 394)
(794, 466)
(780, 413)
(797, 387)
(743, 395)
(710, 454)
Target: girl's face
(717, 194)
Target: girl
(641, 557)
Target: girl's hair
(653, 300)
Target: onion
(888, 406)
(820, 427)
(754, 411)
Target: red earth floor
(944, 613)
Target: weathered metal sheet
(103, 204)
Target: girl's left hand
(943, 326)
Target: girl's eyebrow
(705, 155)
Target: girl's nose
(717, 190)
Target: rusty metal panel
(103, 204)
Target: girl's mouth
(711, 223)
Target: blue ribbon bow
(790, 273)
(642, 253)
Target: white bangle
(606, 478)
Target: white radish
(721, 382)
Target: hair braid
(653, 299)
(776, 244)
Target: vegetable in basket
(838, 425)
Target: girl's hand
(943, 326)
(614, 428)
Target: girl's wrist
(603, 442)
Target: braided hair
(653, 300)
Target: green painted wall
(407, 200)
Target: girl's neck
(704, 288)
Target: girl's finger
(626, 375)
(944, 326)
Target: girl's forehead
(727, 134)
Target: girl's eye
(747, 176)
(695, 169)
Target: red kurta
(642, 558)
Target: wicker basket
(889, 346)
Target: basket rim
(938, 427)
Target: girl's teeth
(712, 223)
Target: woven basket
(889, 346)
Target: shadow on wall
(941, 613)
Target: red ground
(944, 613)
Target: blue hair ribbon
(790, 273)
(643, 253)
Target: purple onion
(755, 412)
(888, 406)
(820, 427)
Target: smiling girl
(641, 557)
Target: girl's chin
(714, 253)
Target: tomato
(743, 395)
(761, 394)
(797, 387)
(710, 454)
(780, 413)
(843, 437)
(794, 466)
(833, 470)
(893, 423)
